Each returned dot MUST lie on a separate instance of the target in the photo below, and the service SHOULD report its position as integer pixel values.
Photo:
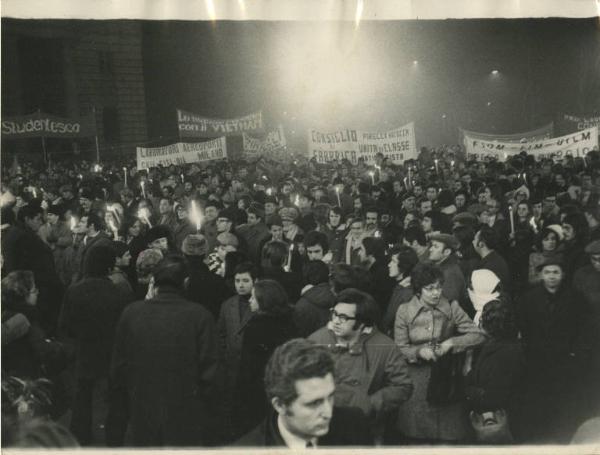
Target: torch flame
(196, 215)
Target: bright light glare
(415, 62)
(494, 72)
(359, 10)
(329, 74)
(210, 8)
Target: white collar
(290, 439)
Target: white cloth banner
(181, 153)
(397, 145)
(193, 125)
(271, 145)
(582, 123)
(576, 144)
(544, 132)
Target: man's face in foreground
(309, 415)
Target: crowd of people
(293, 303)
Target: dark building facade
(75, 69)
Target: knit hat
(55, 210)
(448, 240)
(227, 239)
(194, 245)
(483, 282)
(158, 232)
(274, 220)
(147, 260)
(465, 219)
(553, 259)
(558, 230)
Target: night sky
(327, 75)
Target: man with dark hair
(233, 316)
(354, 340)
(425, 205)
(95, 236)
(442, 253)
(167, 213)
(90, 312)
(485, 243)
(299, 383)
(23, 249)
(312, 310)
(164, 364)
(371, 221)
(373, 259)
(551, 318)
(306, 221)
(209, 225)
(254, 232)
(415, 238)
(317, 247)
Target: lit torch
(196, 216)
(143, 185)
(372, 174)
(144, 215)
(113, 228)
(533, 225)
(297, 200)
(73, 223)
(337, 192)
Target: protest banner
(181, 153)
(271, 145)
(576, 144)
(192, 125)
(46, 125)
(397, 145)
(571, 123)
(544, 132)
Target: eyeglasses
(342, 317)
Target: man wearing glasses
(371, 373)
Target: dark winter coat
(291, 282)
(496, 374)
(370, 375)
(205, 287)
(311, 312)
(262, 334)
(348, 427)
(23, 249)
(91, 309)
(165, 362)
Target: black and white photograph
(304, 225)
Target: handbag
(446, 385)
